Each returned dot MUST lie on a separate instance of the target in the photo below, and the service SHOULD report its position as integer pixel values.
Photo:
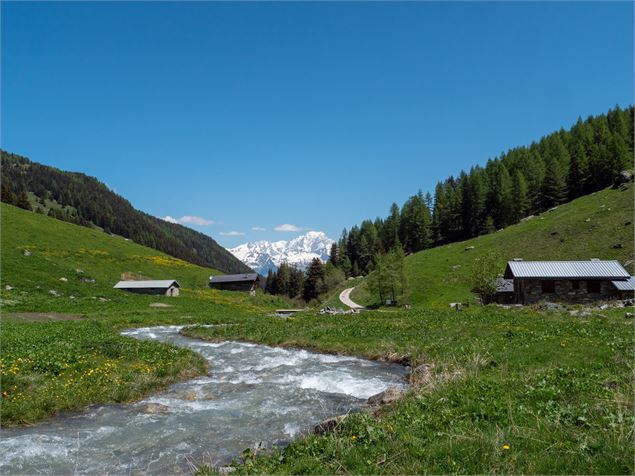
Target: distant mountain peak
(263, 256)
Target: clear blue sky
(318, 115)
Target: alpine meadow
(317, 238)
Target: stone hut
(526, 282)
(235, 282)
(168, 287)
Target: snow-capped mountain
(262, 256)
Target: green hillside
(599, 225)
(84, 200)
(59, 251)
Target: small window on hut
(575, 284)
(548, 286)
(593, 286)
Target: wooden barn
(526, 282)
(168, 287)
(235, 282)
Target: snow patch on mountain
(263, 256)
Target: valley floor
(494, 391)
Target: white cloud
(288, 227)
(190, 220)
(258, 228)
(231, 233)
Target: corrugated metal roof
(593, 269)
(625, 285)
(504, 285)
(165, 283)
(233, 278)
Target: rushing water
(252, 393)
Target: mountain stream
(251, 394)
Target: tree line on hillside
(307, 285)
(84, 200)
(520, 182)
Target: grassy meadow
(497, 390)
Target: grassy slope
(59, 248)
(564, 233)
(47, 367)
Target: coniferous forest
(84, 200)
(520, 182)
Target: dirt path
(345, 297)
(41, 316)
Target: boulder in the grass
(328, 425)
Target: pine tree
(296, 282)
(520, 201)
(478, 190)
(578, 172)
(23, 201)
(7, 195)
(390, 236)
(619, 157)
(313, 285)
(438, 214)
(500, 196)
(535, 171)
(334, 255)
(346, 266)
(282, 279)
(269, 282)
(554, 188)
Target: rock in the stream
(328, 425)
(154, 408)
(385, 397)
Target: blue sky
(313, 115)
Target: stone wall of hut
(530, 290)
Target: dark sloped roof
(593, 269)
(504, 285)
(233, 278)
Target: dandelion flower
(506, 446)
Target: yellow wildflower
(506, 446)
